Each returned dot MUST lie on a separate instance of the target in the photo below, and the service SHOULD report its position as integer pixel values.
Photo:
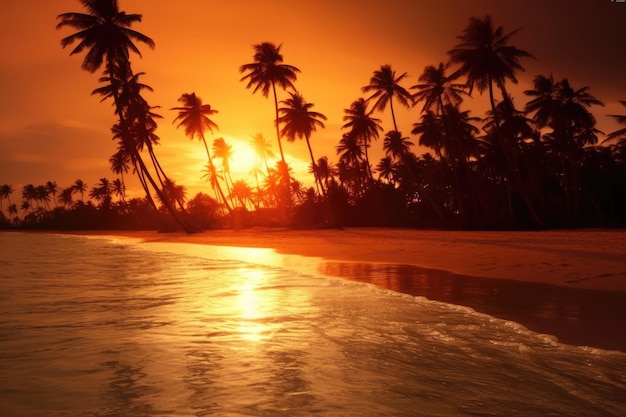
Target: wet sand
(570, 284)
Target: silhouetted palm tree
(224, 152)
(194, 118)
(619, 134)
(80, 187)
(486, 57)
(566, 111)
(66, 197)
(299, 121)
(265, 73)
(385, 86)
(5, 192)
(262, 148)
(104, 32)
(106, 36)
(120, 165)
(363, 126)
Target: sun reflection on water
(253, 305)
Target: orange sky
(52, 129)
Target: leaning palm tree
(363, 126)
(299, 121)
(194, 118)
(385, 86)
(105, 34)
(265, 73)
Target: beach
(588, 259)
(148, 323)
(569, 284)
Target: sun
(244, 159)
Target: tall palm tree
(52, 188)
(265, 73)
(565, 111)
(262, 148)
(486, 57)
(80, 187)
(299, 121)
(120, 165)
(194, 118)
(363, 126)
(66, 197)
(224, 152)
(105, 33)
(5, 192)
(385, 86)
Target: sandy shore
(570, 284)
(589, 259)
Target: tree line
(540, 164)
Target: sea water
(102, 327)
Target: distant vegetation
(539, 164)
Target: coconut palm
(262, 148)
(565, 111)
(486, 57)
(265, 73)
(5, 192)
(193, 116)
(224, 152)
(120, 165)
(66, 197)
(363, 126)
(385, 86)
(80, 187)
(299, 121)
(105, 34)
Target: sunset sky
(52, 129)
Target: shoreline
(553, 283)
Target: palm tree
(194, 118)
(106, 36)
(65, 197)
(80, 187)
(299, 121)
(565, 111)
(363, 126)
(262, 148)
(265, 73)
(385, 87)
(105, 31)
(486, 57)
(5, 192)
(224, 152)
(52, 188)
(120, 165)
(619, 134)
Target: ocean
(103, 327)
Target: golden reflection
(254, 305)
